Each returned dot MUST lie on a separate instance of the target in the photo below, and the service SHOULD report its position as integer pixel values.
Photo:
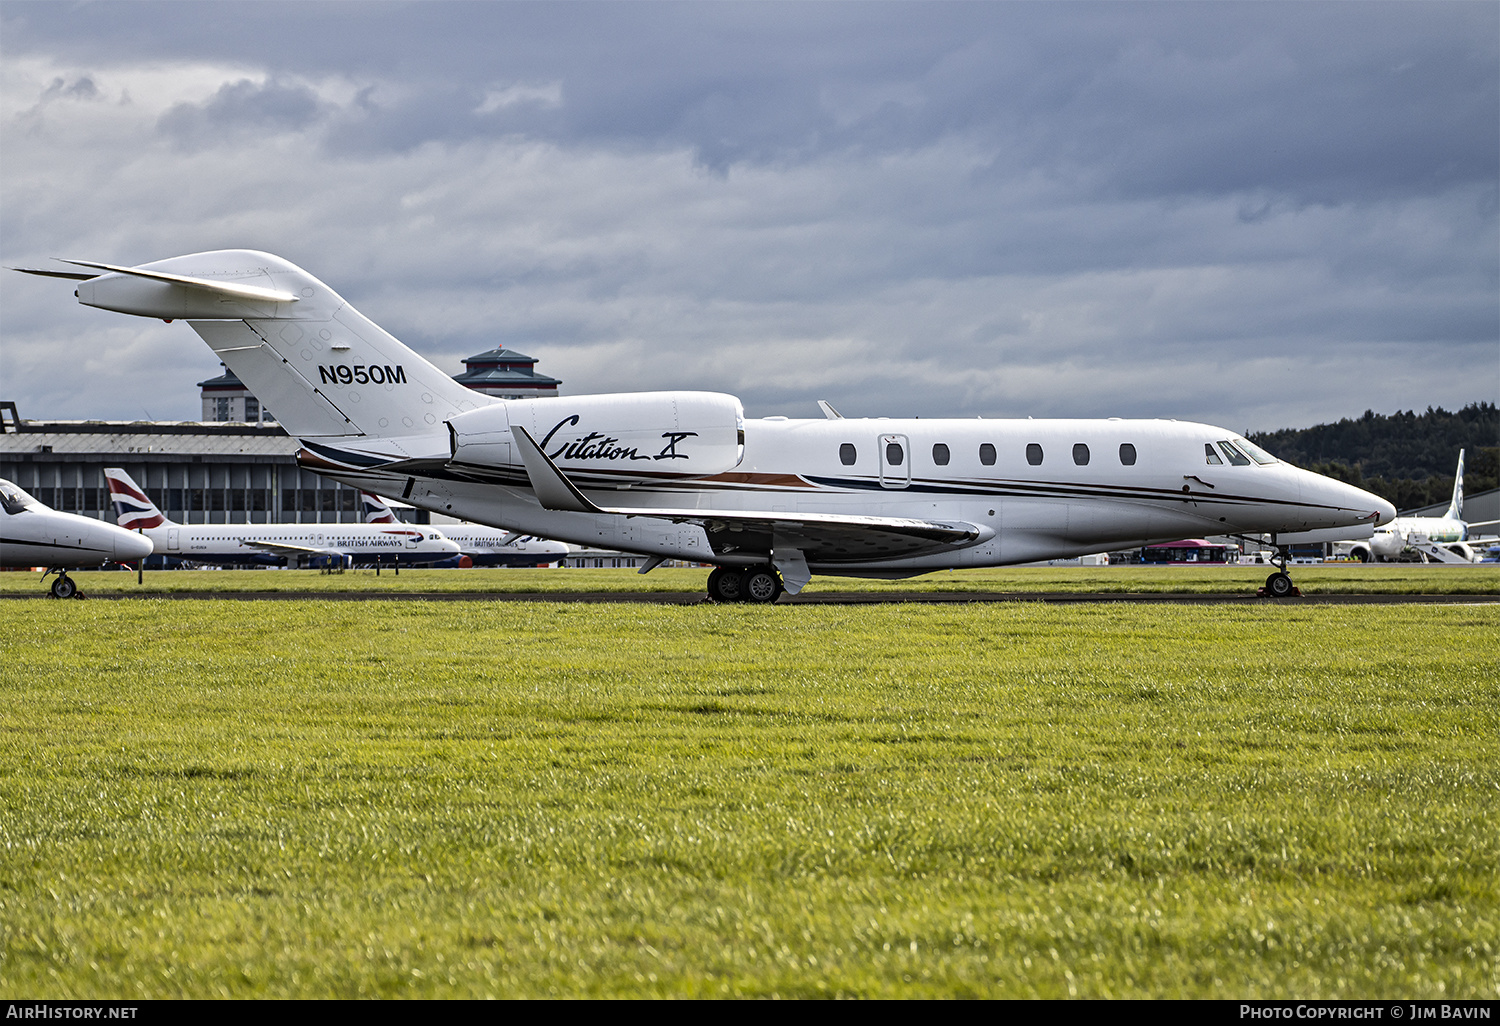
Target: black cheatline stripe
(355, 459)
(49, 545)
(1062, 491)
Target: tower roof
(223, 381)
(503, 368)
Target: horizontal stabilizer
(73, 275)
(222, 288)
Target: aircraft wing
(821, 537)
(283, 549)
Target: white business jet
(481, 546)
(294, 544)
(35, 535)
(683, 475)
(1441, 539)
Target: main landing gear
(759, 584)
(64, 587)
(1279, 585)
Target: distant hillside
(1407, 458)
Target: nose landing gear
(760, 584)
(1279, 585)
(64, 587)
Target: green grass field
(308, 798)
(1313, 580)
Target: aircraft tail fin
(133, 508)
(375, 511)
(1456, 507)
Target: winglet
(553, 490)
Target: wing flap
(283, 549)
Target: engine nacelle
(624, 438)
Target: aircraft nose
(132, 546)
(1369, 507)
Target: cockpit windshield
(1235, 457)
(1255, 452)
(14, 498)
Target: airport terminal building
(235, 466)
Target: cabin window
(1034, 454)
(940, 454)
(1127, 454)
(1080, 454)
(1213, 457)
(1236, 457)
(893, 454)
(847, 454)
(987, 454)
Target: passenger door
(895, 461)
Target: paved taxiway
(843, 598)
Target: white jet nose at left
(126, 545)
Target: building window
(221, 409)
(1034, 454)
(1127, 454)
(940, 454)
(252, 410)
(847, 454)
(1080, 454)
(987, 454)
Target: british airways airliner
(293, 544)
(481, 546)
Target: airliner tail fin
(375, 511)
(1456, 507)
(133, 508)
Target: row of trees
(1407, 458)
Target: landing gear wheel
(64, 587)
(1279, 585)
(761, 585)
(726, 584)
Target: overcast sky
(1258, 215)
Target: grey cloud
(1256, 212)
(1318, 101)
(81, 88)
(275, 106)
